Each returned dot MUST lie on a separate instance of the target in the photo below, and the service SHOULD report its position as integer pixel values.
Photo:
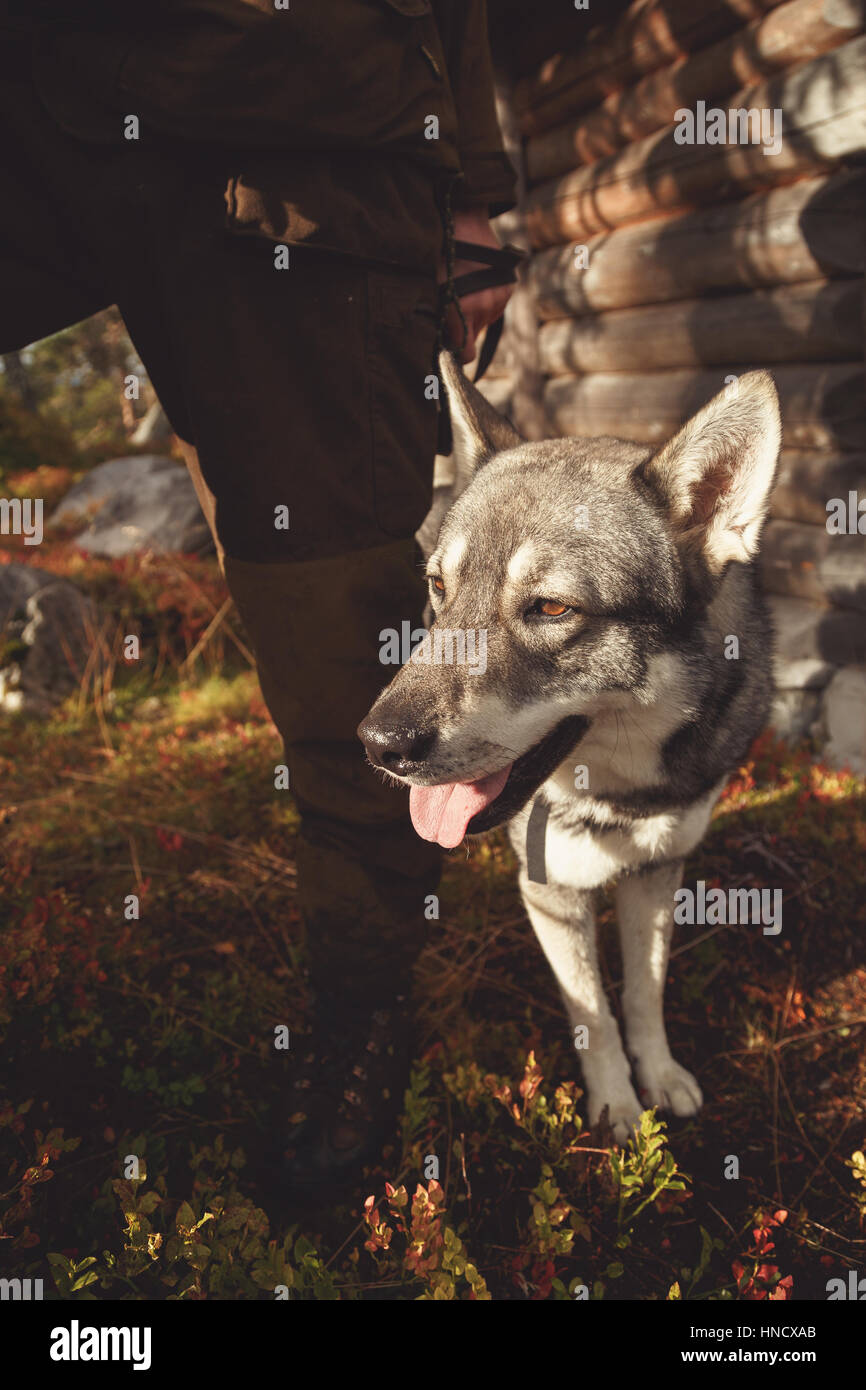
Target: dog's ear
(715, 477)
(479, 431)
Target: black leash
(503, 262)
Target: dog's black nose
(395, 749)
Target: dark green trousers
(301, 388)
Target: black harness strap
(536, 834)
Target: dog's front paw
(670, 1087)
(620, 1109)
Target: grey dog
(601, 582)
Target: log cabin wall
(661, 270)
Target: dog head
(561, 570)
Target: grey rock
(57, 631)
(499, 391)
(126, 505)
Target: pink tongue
(443, 813)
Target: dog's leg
(564, 922)
(645, 908)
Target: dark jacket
(337, 118)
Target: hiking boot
(352, 1070)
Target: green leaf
(185, 1216)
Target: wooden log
(820, 321)
(808, 480)
(648, 36)
(801, 231)
(823, 406)
(499, 391)
(505, 361)
(823, 120)
(517, 344)
(808, 562)
(794, 33)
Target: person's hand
(483, 307)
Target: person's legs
(304, 389)
(303, 392)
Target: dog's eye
(551, 607)
(437, 583)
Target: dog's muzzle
(399, 750)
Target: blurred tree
(29, 440)
(19, 380)
(87, 380)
